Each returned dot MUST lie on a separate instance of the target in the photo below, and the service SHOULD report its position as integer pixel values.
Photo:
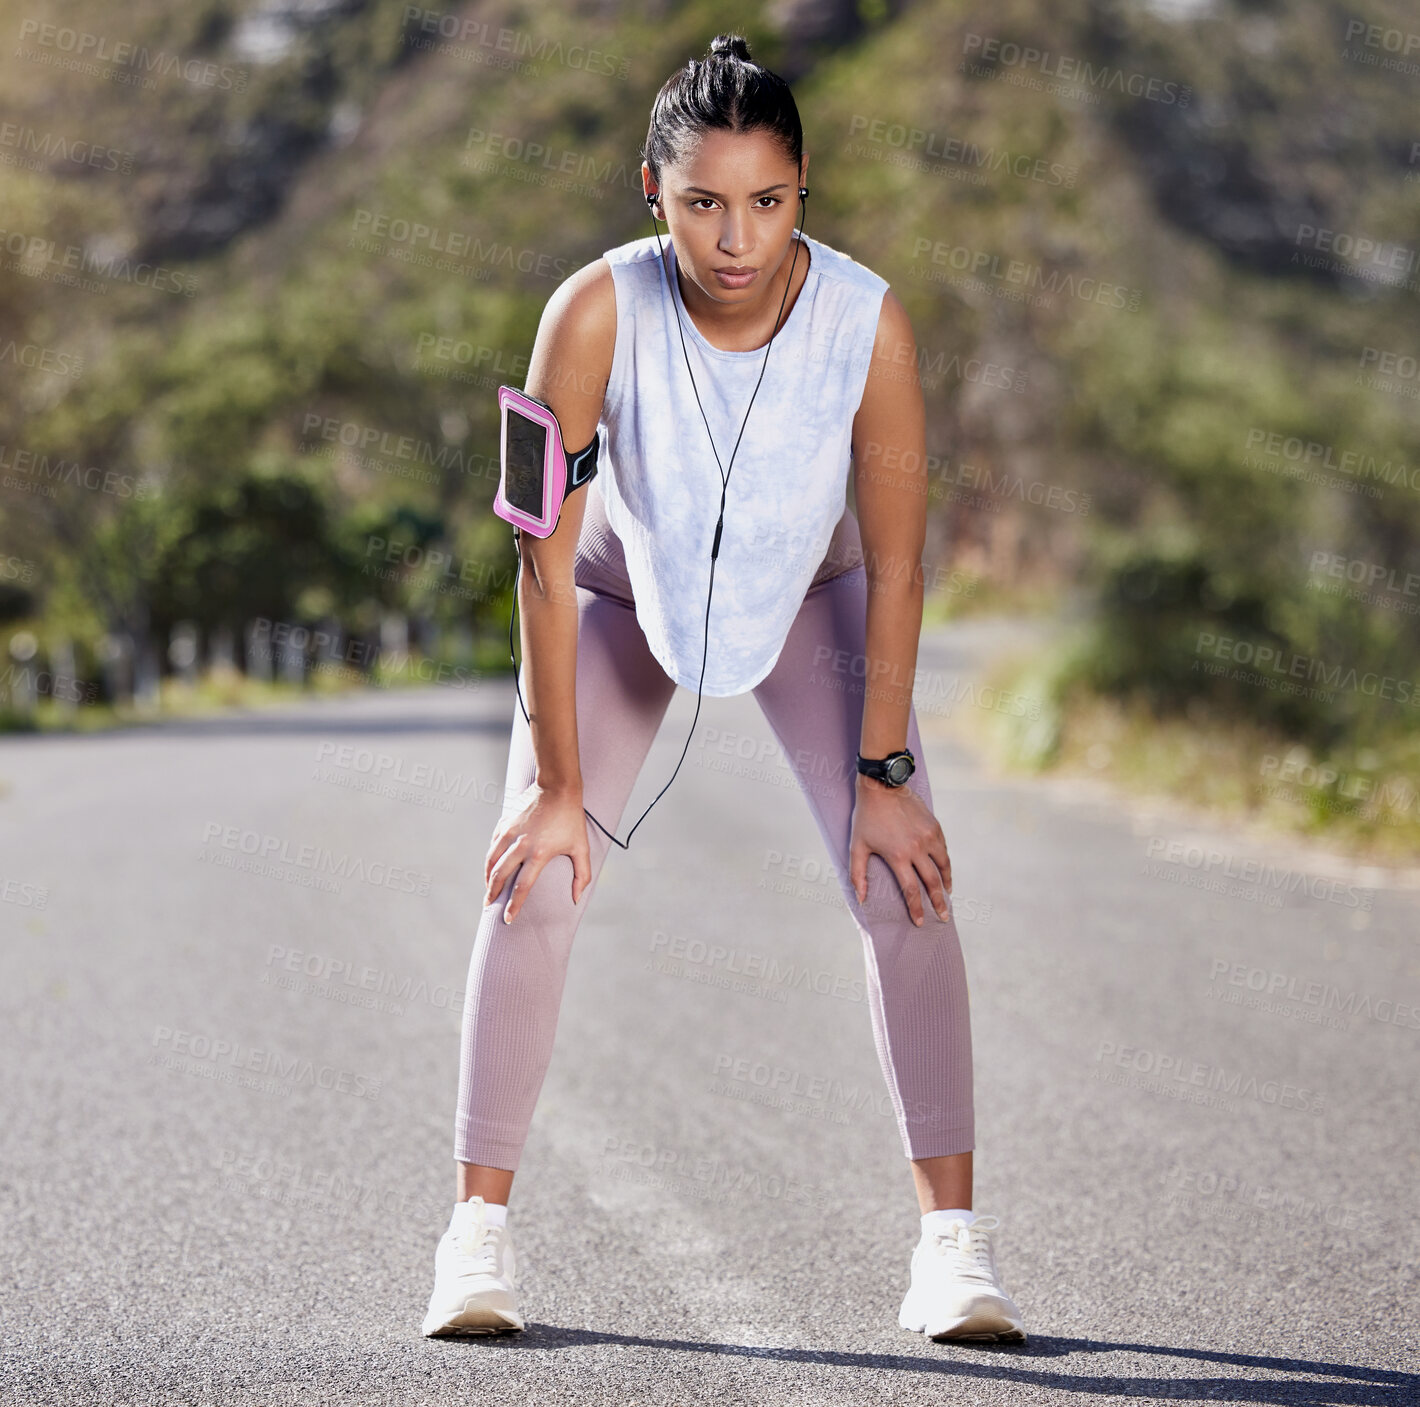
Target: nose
(735, 237)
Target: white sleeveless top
(787, 484)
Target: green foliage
(320, 400)
(245, 550)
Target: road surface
(230, 1081)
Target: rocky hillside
(266, 264)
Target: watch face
(899, 770)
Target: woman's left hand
(895, 823)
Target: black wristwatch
(892, 770)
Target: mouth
(736, 276)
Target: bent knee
(887, 904)
(547, 895)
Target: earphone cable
(719, 525)
(724, 485)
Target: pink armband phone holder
(537, 472)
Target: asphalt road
(229, 1090)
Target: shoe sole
(472, 1320)
(984, 1326)
(1004, 1336)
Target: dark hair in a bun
(734, 44)
(726, 91)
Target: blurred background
(263, 266)
(266, 264)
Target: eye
(705, 200)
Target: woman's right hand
(551, 823)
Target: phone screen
(524, 456)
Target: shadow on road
(1359, 1385)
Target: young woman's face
(731, 204)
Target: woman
(613, 605)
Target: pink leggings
(916, 979)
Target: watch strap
(877, 767)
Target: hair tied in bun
(732, 46)
(720, 94)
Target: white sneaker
(955, 1292)
(474, 1270)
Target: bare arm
(890, 490)
(569, 369)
